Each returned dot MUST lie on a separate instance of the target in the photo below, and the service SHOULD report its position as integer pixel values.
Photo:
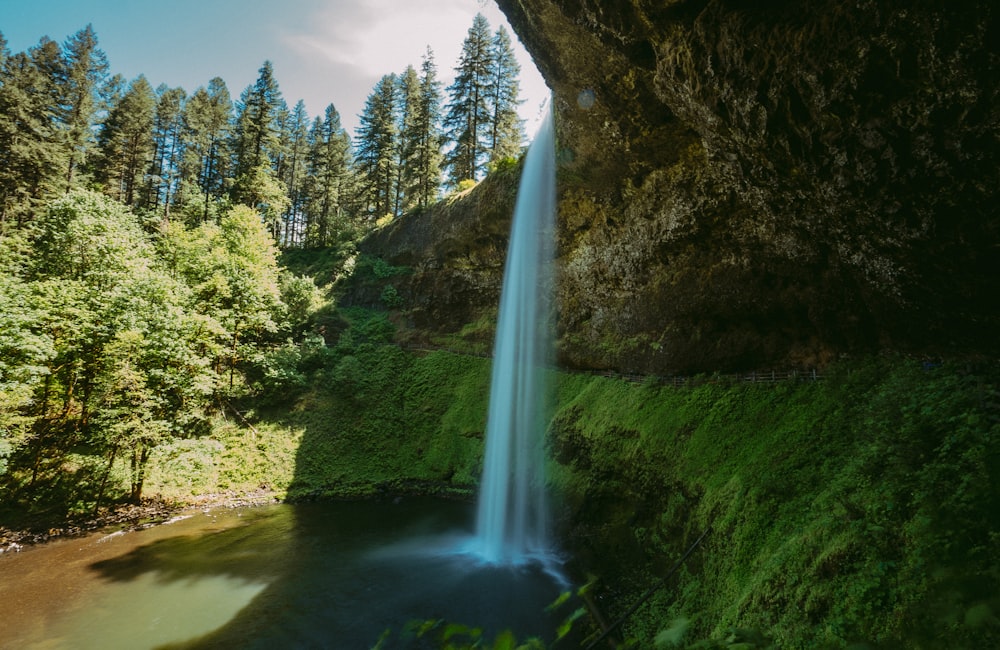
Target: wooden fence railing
(753, 377)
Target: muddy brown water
(332, 575)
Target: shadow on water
(337, 575)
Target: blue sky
(323, 51)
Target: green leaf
(381, 639)
(567, 624)
(505, 641)
(558, 602)
(426, 626)
(452, 629)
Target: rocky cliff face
(743, 187)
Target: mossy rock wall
(451, 257)
(859, 509)
(745, 185)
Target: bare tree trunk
(104, 480)
(139, 458)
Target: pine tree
(420, 137)
(506, 126)
(256, 136)
(408, 112)
(86, 71)
(32, 160)
(330, 186)
(207, 116)
(126, 142)
(257, 149)
(167, 133)
(427, 153)
(377, 141)
(467, 120)
(110, 93)
(292, 169)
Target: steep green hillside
(861, 508)
(360, 419)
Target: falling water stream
(511, 525)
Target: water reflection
(316, 575)
(127, 617)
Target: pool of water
(332, 575)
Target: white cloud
(384, 36)
(346, 46)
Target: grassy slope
(379, 421)
(409, 425)
(863, 508)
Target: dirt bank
(128, 517)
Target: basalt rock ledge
(744, 185)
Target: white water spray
(511, 526)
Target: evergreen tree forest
(67, 122)
(141, 228)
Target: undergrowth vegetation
(357, 418)
(857, 510)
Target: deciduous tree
(232, 269)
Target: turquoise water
(334, 575)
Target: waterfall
(511, 525)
